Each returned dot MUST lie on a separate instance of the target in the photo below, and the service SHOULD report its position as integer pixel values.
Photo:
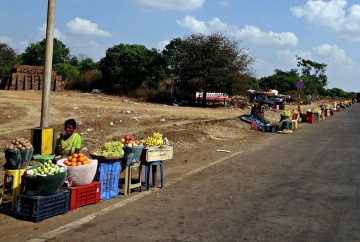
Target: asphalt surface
(298, 187)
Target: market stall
(43, 186)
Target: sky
(274, 32)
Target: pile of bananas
(154, 140)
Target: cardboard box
(155, 153)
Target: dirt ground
(102, 118)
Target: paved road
(299, 187)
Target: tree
(282, 81)
(208, 63)
(35, 53)
(170, 53)
(8, 59)
(313, 75)
(129, 66)
(83, 63)
(68, 72)
(86, 64)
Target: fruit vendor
(68, 141)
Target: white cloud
(5, 39)
(262, 68)
(340, 68)
(57, 33)
(333, 53)
(325, 53)
(249, 33)
(18, 46)
(79, 26)
(333, 15)
(86, 47)
(170, 4)
(193, 24)
(289, 56)
(253, 33)
(162, 44)
(224, 2)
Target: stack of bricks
(30, 78)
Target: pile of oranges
(76, 160)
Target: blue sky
(274, 32)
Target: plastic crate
(84, 195)
(108, 175)
(38, 208)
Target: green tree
(8, 59)
(129, 66)
(209, 63)
(68, 72)
(170, 53)
(86, 64)
(338, 92)
(35, 53)
(83, 63)
(313, 75)
(283, 81)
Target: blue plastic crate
(38, 208)
(108, 175)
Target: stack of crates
(84, 195)
(38, 208)
(108, 175)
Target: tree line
(210, 63)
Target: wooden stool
(16, 176)
(153, 165)
(128, 181)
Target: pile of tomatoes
(76, 160)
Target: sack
(17, 159)
(132, 154)
(80, 175)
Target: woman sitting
(68, 142)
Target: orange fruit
(75, 155)
(73, 163)
(81, 154)
(73, 160)
(67, 163)
(78, 163)
(86, 162)
(81, 158)
(69, 158)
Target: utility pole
(48, 64)
(43, 136)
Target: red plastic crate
(84, 195)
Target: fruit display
(130, 141)
(18, 144)
(286, 131)
(154, 140)
(76, 160)
(46, 168)
(112, 149)
(18, 153)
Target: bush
(88, 80)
